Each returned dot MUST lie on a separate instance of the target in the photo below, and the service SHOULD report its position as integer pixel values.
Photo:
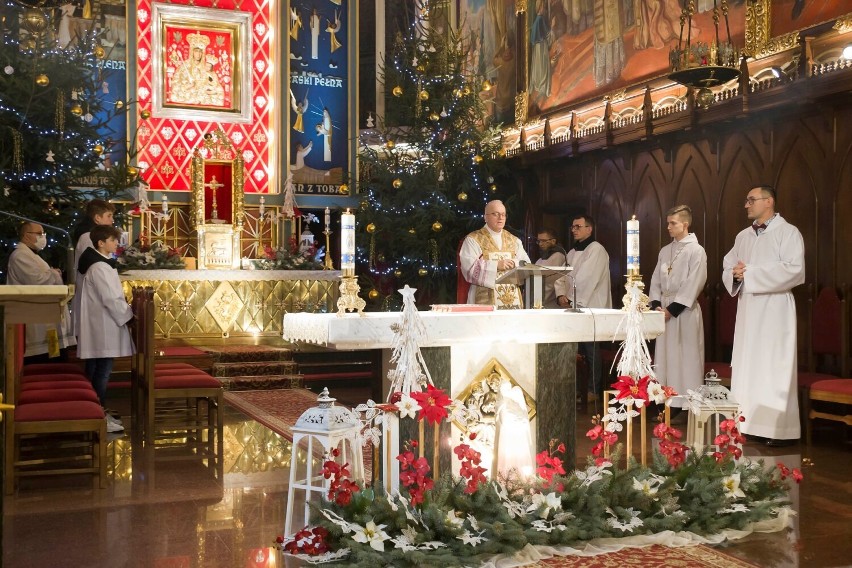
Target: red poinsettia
(628, 387)
(433, 404)
(307, 541)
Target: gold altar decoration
(217, 174)
(349, 300)
(249, 304)
(481, 396)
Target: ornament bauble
(76, 109)
(34, 21)
(412, 231)
(363, 205)
(145, 114)
(492, 188)
(458, 93)
(462, 196)
(424, 95)
(420, 69)
(390, 144)
(477, 159)
(422, 272)
(486, 85)
(397, 91)
(42, 80)
(490, 179)
(466, 90)
(434, 117)
(119, 105)
(373, 294)
(397, 183)
(8, 70)
(437, 226)
(132, 171)
(98, 52)
(397, 273)
(98, 149)
(371, 228)
(343, 189)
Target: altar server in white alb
(591, 269)
(677, 281)
(27, 268)
(766, 263)
(486, 254)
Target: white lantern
(709, 406)
(306, 240)
(323, 429)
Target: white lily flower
(646, 486)
(371, 534)
(453, 520)
(731, 484)
(408, 407)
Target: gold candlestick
(327, 263)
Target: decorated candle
(347, 243)
(262, 207)
(633, 244)
(165, 203)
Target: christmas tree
(430, 167)
(55, 126)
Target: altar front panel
(232, 303)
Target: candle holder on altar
(634, 280)
(327, 263)
(332, 428)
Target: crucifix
(214, 187)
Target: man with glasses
(766, 263)
(550, 254)
(488, 253)
(593, 290)
(27, 268)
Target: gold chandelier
(703, 65)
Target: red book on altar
(461, 308)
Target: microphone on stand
(574, 308)
(70, 269)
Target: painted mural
(317, 99)
(492, 25)
(581, 49)
(793, 15)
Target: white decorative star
(49, 157)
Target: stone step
(261, 382)
(248, 353)
(254, 368)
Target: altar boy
(103, 333)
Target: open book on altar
(461, 308)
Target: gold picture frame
(201, 63)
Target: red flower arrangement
(548, 464)
(628, 387)
(433, 404)
(670, 447)
(729, 440)
(470, 468)
(310, 542)
(786, 472)
(341, 488)
(413, 474)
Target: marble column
(556, 396)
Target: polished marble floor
(180, 514)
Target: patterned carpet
(651, 557)
(276, 409)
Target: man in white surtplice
(766, 263)
(679, 277)
(486, 254)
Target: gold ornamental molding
(520, 6)
(521, 108)
(843, 23)
(758, 18)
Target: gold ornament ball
(420, 69)
(99, 52)
(363, 205)
(119, 104)
(34, 21)
(434, 117)
(424, 95)
(492, 188)
(466, 90)
(412, 231)
(477, 159)
(76, 109)
(98, 149)
(397, 91)
(462, 196)
(343, 189)
(42, 80)
(437, 226)
(132, 171)
(397, 273)
(422, 272)
(390, 144)
(371, 228)
(373, 294)
(458, 93)
(486, 85)
(397, 183)
(145, 114)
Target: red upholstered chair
(827, 346)
(462, 285)
(51, 368)
(836, 392)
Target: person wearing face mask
(43, 341)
